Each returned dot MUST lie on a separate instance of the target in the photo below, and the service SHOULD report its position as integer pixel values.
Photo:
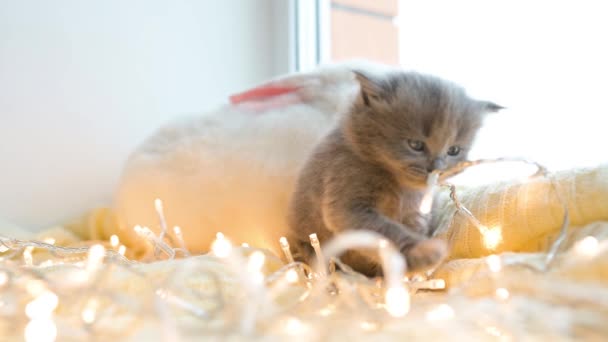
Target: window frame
(311, 33)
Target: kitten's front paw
(425, 255)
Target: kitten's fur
(365, 174)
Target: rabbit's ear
(266, 97)
(261, 93)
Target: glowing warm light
(40, 330)
(245, 244)
(95, 257)
(427, 200)
(122, 250)
(89, 313)
(313, 239)
(492, 237)
(292, 276)
(397, 301)
(286, 250)
(369, 326)
(326, 311)
(114, 241)
(494, 263)
(46, 263)
(145, 233)
(441, 313)
(49, 240)
(35, 287)
(316, 245)
(3, 278)
(158, 205)
(283, 241)
(588, 246)
(256, 261)
(221, 247)
(254, 266)
(27, 256)
(427, 203)
(502, 293)
(42, 306)
(294, 326)
(437, 284)
(180, 239)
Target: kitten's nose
(437, 164)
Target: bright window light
(546, 61)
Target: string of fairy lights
(76, 279)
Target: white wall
(81, 83)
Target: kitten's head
(412, 123)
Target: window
(543, 60)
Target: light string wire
(321, 285)
(541, 172)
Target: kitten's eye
(453, 150)
(416, 145)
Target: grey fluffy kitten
(371, 171)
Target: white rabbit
(233, 170)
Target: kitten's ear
(491, 107)
(370, 89)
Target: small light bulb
(502, 293)
(42, 306)
(40, 330)
(114, 241)
(294, 326)
(35, 287)
(3, 278)
(256, 261)
(494, 263)
(95, 257)
(221, 247)
(588, 246)
(46, 263)
(397, 301)
(326, 311)
(427, 203)
(437, 284)
(283, 241)
(316, 245)
(286, 249)
(292, 276)
(492, 237)
(89, 313)
(158, 205)
(27, 256)
(122, 250)
(369, 326)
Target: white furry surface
(233, 169)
